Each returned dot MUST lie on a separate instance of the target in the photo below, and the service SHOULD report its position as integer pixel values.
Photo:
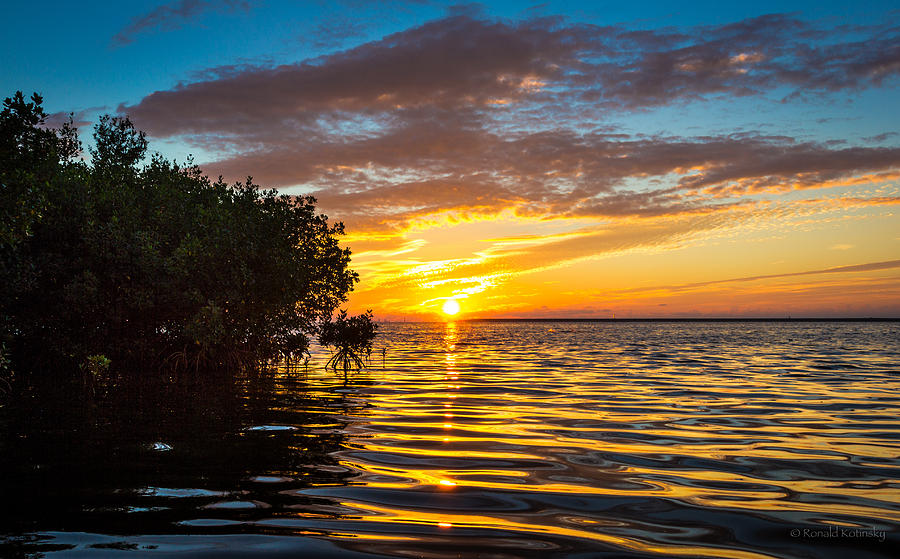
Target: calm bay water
(501, 440)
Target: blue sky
(662, 138)
(66, 50)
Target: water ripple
(513, 440)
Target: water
(497, 440)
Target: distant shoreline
(782, 319)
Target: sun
(451, 307)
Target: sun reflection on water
(603, 427)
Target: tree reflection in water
(157, 457)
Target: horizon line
(662, 319)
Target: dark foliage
(351, 338)
(151, 263)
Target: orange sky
(820, 256)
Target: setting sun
(451, 307)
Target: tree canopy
(149, 262)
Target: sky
(560, 159)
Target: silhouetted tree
(351, 338)
(144, 261)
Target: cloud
(469, 100)
(864, 296)
(455, 62)
(505, 258)
(777, 165)
(460, 61)
(742, 58)
(564, 175)
(429, 163)
(80, 119)
(879, 138)
(465, 117)
(855, 201)
(335, 32)
(868, 267)
(174, 15)
(404, 267)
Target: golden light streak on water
(703, 422)
(460, 521)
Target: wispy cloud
(80, 118)
(335, 32)
(879, 138)
(401, 266)
(858, 290)
(174, 15)
(410, 172)
(868, 267)
(501, 259)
